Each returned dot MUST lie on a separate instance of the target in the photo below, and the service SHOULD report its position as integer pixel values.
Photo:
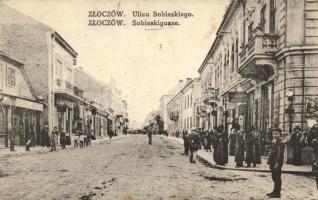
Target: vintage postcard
(158, 99)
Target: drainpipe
(50, 39)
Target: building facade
(263, 65)
(19, 108)
(163, 110)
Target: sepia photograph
(158, 99)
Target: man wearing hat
(194, 144)
(45, 136)
(275, 162)
(294, 141)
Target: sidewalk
(20, 150)
(207, 157)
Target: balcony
(257, 58)
(210, 96)
(174, 115)
(67, 90)
(78, 92)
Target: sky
(145, 64)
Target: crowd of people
(245, 146)
(223, 144)
(81, 139)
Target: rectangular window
(191, 101)
(187, 123)
(188, 101)
(272, 16)
(250, 31)
(11, 77)
(190, 122)
(263, 19)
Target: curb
(202, 159)
(47, 150)
(302, 173)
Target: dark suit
(295, 142)
(194, 145)
(275, 162)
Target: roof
(5, 57)
(61, 41)
(226, 18)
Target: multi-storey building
(182, 108)
(48, 61)
(92, 112)
(263, 65)
(191, 94)
(19, 107)
(163, 110)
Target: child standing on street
(275, 162)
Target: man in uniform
(194, 144)
(275, 162)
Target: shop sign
(237, 96)
(28, 104)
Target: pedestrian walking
(110, 133)
(185, 142)
(149, 133)
(239, 148)
(275, 162)
(194, 144)
(215, 143)
(53, 139)
(222, 150)
(76, 139)
(81, 140)
(295, 143)
(62, 138)
(45, 136)
(232, 141)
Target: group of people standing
(80, 139)
(234, 144)
(223, 144)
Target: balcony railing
(78, 92)
(260, 44)
(210, 95)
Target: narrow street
(130, 169)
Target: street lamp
(290, 110)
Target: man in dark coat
(194, 144)
(275, 162)
(222, 150)
(239, 148)
(252, 148)
(215, 143)
(185, 142)
(232, 141)
(294, 141)
(45, 136)
(312, 140)
(150, 137)
(62, 138)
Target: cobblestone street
(129, 168)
